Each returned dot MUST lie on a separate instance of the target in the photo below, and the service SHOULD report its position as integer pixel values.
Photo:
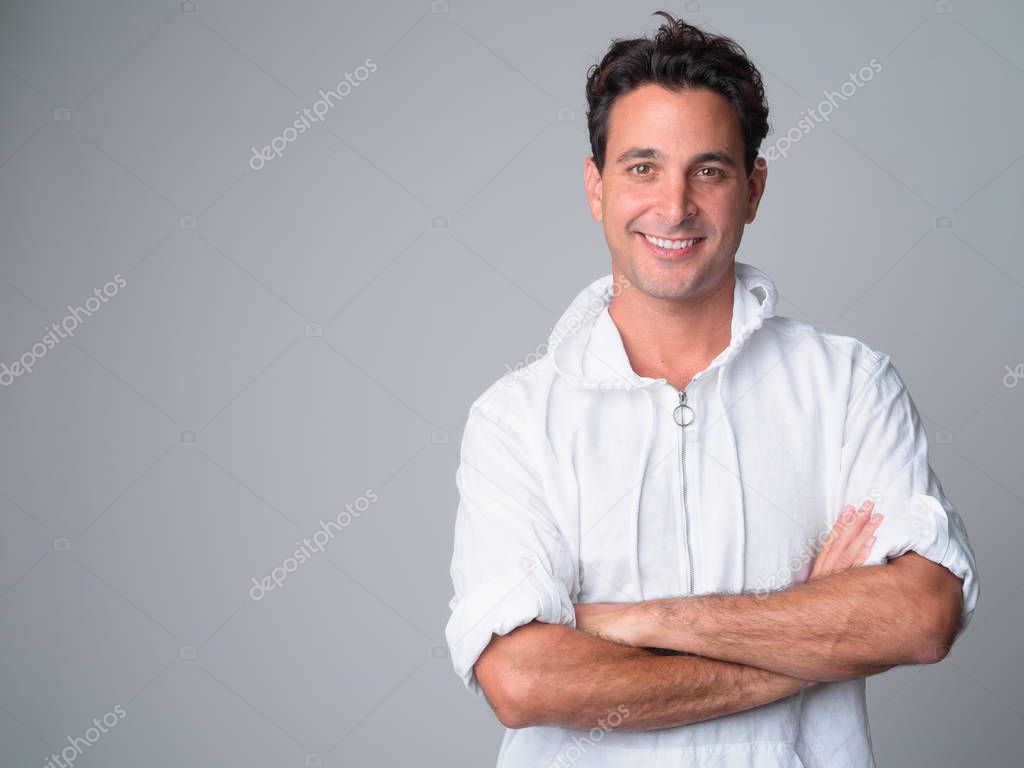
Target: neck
(674, 339)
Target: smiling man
(665, 552)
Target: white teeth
(671, 245)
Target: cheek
(623, 208)
(727, 213)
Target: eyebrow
(649, 153)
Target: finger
(824, 559)
(870, 526)
(852, 546)
(867, 547)
(847, 528)
(846, 520)
(844, 549)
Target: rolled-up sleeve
(510, 564)
(885, 456)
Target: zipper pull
(683, 414)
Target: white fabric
(571, 491)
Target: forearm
(570, 678)
(850, 624)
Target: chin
(680, 281)
(664, 287)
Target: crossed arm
(836, 628)
(550, 674)
(751, 649)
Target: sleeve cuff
(926, 528)
(497, 607)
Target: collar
(588, 348)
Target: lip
(667, 254)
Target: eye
(641, 165)
(717, 171)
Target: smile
(672, 250)
(673, 245)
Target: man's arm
(549, 674)
(545, 674)
(835, 628)
(903, 612)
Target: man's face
(673, 170)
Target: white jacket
(577, 484)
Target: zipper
(683, 415)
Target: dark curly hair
(680, 56)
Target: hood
(587, 348)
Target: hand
(617, 622)
(849, 542)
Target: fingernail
(875, 518)
(869, 505)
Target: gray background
(128, 549)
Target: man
(651, 563)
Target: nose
(675, 202)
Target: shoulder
(521, 393)
(844, 362)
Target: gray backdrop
(251, 344)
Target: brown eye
(640, 165)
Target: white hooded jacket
(579, 484)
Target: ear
(755, 187)
(594, 188)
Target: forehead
(686, 121)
